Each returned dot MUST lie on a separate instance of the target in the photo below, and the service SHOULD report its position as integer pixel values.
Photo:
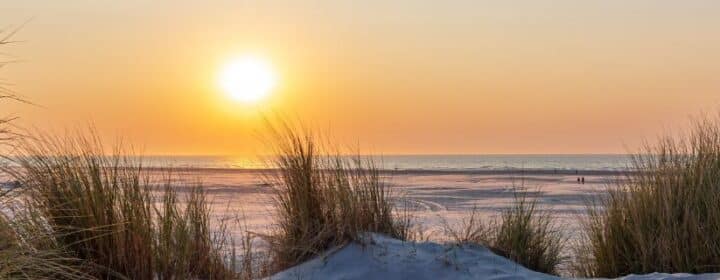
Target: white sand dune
(380, 257)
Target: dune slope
(380, 257)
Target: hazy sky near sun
(395, 76)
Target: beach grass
(108, 214)
(664, 216)
(522, 233)
(323, 200)
(25, 250)
(529, 236)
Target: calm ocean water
(424, 162)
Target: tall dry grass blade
(323, 199)
(112, 214)
(663, 217)
(523, 234)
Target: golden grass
(26, 252)
(102, 211)
(522, 234)
(325, 200)
(662, 218)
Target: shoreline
(564, 172)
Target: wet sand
(434, 198)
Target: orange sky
(402, 77)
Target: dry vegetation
(24, 250)
(106, 214)
(324, 200)
(523, 234)
(665, 217)
(89, 215)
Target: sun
(248, 79)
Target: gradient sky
(397, 77)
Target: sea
(494, 162)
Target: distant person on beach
(578, 179)
(583, 180)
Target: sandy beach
(434, 198)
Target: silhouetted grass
(26, 252)
(662, 218)
(530, 237)
(522, 234)
(325, 200)
(107, 213)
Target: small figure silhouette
(583, 180)
(578, 179)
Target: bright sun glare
(248, 79)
